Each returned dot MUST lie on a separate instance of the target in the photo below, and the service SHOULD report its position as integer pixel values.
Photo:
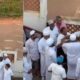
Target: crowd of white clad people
(5, 67)
(55, 55)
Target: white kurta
(1, 70)
(72, 50)
(7, 74)
(42, 45)
(27, 65)
(77, 33)
(53, 33)
(78, 69)
(50, 58)
(8, 61)
(58, 72)
(32, 48)
(60, 37)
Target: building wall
(63, 7)
(67, 8)
(31, 5)
(32, 19)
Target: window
(33, 5)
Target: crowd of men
(58, 53)
(5, 67)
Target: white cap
(49, 41)
(32, 32)
(46, 32)
(50, 21)
(24, 49)
(5, 54)
(72, 37)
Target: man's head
(33, 34)
(46, 33)
(7, 66)
(63, 30)
(52, 26)
(58, 20)
(72, 37)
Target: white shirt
(53, 33)
(2, 63)
(42, 49)
(78, 68)
(42, 45)
(50, 55)
(50, 58)
(32, 48)
(77, 33)
(58, 72)
(7, 74)
(60, 37)
(72, 50)
(27, 64)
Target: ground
(11, 35)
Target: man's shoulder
(29, 40)
(54, 64)
(48, 28)
(60, 35)
(42, 39)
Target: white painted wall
(17, 68)
(33, 20)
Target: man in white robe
(32, 48)
(58, 72)
(77, 33)
(72, 49)
(27, 66)
(53, 31)
(5, 56)
(8, 73)
(2, 64)
(41, 46)
(50, 56)
(62, 37)
(78, 69)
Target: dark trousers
(36, 67)
(61, 52)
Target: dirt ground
(11, 35)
